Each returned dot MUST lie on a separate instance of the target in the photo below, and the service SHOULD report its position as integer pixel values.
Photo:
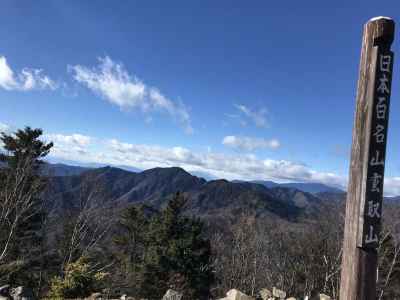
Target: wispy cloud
(4, 128)
(258, 117)
(113, 82)
(392, 186)
(249, 143)
(219, 165)
(75, 139)
(26, 80)
(74, 143)
(86, 149)
(236, 118)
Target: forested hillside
(72, 233)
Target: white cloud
(113, 82)
(258, 117)
(219, 165)
(4, 128)
(26, 80)
(392, 186)
(65, 144)
(75, 139)
(86, 149)
(249, 143)
(7, 80)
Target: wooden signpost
(365, 190)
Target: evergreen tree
(21, 209)
(131, 243)
(178, 255)
(24, 147)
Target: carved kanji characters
(371, 237)
(384, 84)
(377, 160)
(379, 133)
(385, 62)
(376, 181)
(373, 209)
(381, 108)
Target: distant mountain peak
(167, 171)
(309, 187)
(218, 198)
(59, 169)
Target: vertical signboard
(367, 166)
(371, 204)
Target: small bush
(79, 281)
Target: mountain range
(117, 188)
(309, 187)
(60, 169)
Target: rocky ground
(22, 293)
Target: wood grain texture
(358, 274)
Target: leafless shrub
(17, 200)
(90, 223)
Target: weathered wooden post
(365, 189)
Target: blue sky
(246, 90)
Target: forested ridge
(72, 233)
